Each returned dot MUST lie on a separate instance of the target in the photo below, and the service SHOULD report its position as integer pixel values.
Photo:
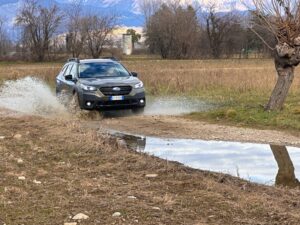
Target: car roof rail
(74, 60)
(110, 57)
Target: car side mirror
(70, 78)
(134, 74)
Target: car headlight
(88, 88)
(139, 85)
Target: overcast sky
(221, 5)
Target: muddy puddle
(259, 163)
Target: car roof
(96, 60)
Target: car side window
(68, 70)
(73, 71)
(64, 69)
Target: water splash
(175, 105)
(31, 96)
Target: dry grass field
(195, 77)
(189, 77)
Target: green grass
(247, 110)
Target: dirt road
(167, 126)
(179, 127)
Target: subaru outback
(100, 84)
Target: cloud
(110, 2)
(224, 5)
(220, 5)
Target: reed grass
(197, 77)
(189, 77)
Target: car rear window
(100, 70)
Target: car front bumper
(96, 100)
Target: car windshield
(102, 70)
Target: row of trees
(174, 31)
(40, 26)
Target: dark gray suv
(102, 84)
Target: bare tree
(148, 8)
(217, 27)
(160, 32)
(39, 24)
(5, 43)
(96, 29)
(75, 38)
(173, 31)
(2, 36)
(253, 40)
(282, 19)
(187, 40)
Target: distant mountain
(125, 9)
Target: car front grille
(117, 103)
(123, 90)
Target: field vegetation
(239, 88)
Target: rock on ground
(17, 136)
(80, 216)
(116, 214)
(151, 175)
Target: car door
(67, 84)
(70, 84)
(60, 80)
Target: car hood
(110, 81)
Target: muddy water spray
(175, 105)
(30, 96)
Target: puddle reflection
(286, 171)
(260, 163)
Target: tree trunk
(286, 172)
(280, 92)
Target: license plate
(116, 98)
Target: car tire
(138, 111)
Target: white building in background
(127, 44)
(117, 37)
